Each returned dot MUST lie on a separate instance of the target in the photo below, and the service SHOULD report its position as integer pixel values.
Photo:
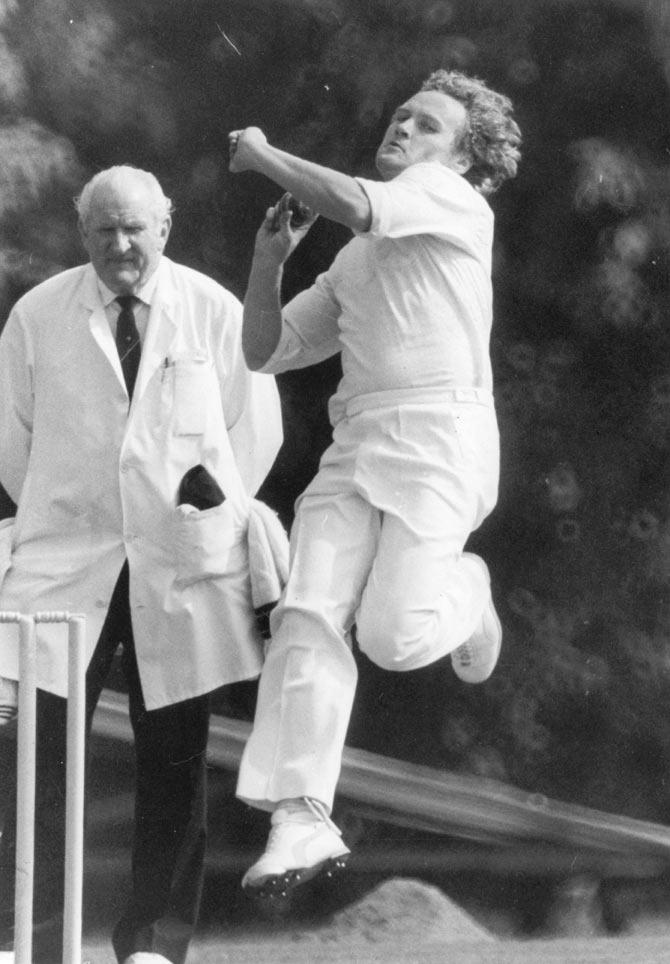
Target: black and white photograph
(334, 481)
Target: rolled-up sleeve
(431, 199)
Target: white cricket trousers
(377, 540)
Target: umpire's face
(124, 234)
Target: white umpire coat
(95, 484)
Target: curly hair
(491, 137)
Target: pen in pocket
(166, 364)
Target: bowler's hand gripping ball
(300, 213)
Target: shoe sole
(282, 886)
(493, 616)
(490, 615)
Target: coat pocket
(194, 388)
(209, 542)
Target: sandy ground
(365, 917)
(599, 951)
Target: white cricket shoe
(303, 843)
(476, 658)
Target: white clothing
(378, 540)
(413, 469)
(268, 550)
(141, 308)
(96, 483)
(408, 303)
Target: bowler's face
(427, 127)
(124, 235)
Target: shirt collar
(144, 294)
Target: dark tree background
(579, 546)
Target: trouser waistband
(417, 396)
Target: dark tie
(128, 341)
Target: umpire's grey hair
(121, 174)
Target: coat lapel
(97, 322)
(160, 330)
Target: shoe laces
(320, 811)
(302, 810)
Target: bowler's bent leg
(426, 597)
(423, 599)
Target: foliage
(579, 545)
